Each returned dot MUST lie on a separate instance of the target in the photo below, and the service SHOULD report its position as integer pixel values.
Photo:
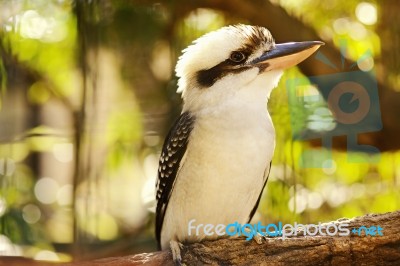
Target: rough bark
(300, 250)
(295, 250)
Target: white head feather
(210, 50)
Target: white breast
(222, 174)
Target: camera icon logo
(340, 104)
(358, 93)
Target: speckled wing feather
(170, 161)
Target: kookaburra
(217, 156)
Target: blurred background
(87, 95)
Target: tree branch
(295, 250)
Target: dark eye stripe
(207, 78)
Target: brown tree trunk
(389, 33)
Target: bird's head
(235, 59)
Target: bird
(216, 158)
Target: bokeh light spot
(315, 200)
(31, 213)
(33, 26)
(63, 152)
(329, 167)
(64, 195)
(341, 25)
(366, 64)
(46, 190)
(366, 13)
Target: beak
(285, 55)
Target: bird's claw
(259, 238)
(176, 252)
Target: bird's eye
(237, 57)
